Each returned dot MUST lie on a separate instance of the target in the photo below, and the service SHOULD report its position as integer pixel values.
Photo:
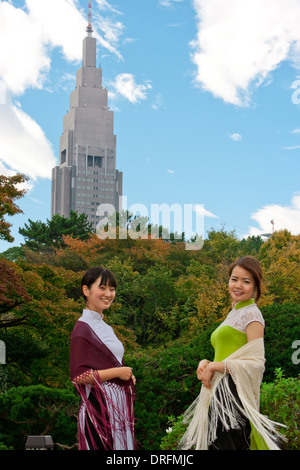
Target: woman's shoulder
(81, 328)
(251, 313)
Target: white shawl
(246, 366)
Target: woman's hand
(125, 373)
(207, 375)
(201, 368)
(209, 368)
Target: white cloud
(126, 87)
(24, 146)
(200, 210)
(2, 92)
(105, 5)
(24, 59)
(158, 102)
(284, 217)
(111, 32)
(292, 147)
(61, 24)
(239, 43)
(27, 38)
(170, 171)
(168, 3)
(235, 136)
(52, 14)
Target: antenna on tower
(89, 28)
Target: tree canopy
(168, 301)
(39, 235)
(10, 191)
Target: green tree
(166, 384)
(280, 401)
(37, 314)
(13, 253)
(250, 246)
(280, 258)
(38, 410)
(124, 224)
(220, 246)
(154, 296)
(39, 235)
(282, 330)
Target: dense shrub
(282, 329)
(279, 400)
(36, 410)
(166, 384)
(168, 302)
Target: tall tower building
(86, 175)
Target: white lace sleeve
(251, 314)
(242, 317)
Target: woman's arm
(201, 368)
(254, 330)
(123, 373)
(209, 371)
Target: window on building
(63, 156)
(98, 162)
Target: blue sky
(206, 98)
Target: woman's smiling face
(241, 285)
(99, 297)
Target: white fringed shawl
(246, 366)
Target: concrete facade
(86, 175)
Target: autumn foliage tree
(280, 257)
(13, 294)
(10, 191)
(168, 301)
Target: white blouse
(104, 332)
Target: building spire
(89, 28)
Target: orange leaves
(86, 249)
(12, 291)
(9, 191)
(151, 249)
(204, 292)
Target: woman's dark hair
(91, 276)
(253, 266)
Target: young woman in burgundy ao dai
(106, 386)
